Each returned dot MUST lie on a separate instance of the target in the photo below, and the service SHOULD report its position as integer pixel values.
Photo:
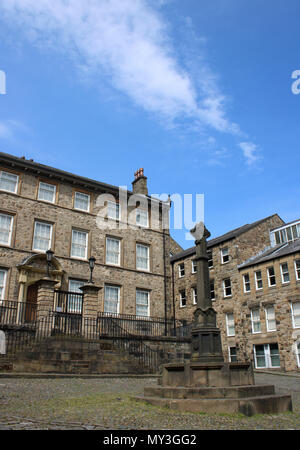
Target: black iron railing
(68, 302)
(13, 313)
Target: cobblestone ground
(105, 404)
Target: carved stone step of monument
(209, 392)
(264, 404)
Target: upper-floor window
(182, 299)
(232, 354)
(142, 257)
(270, 318)
(141, 217)
(194, 266)
(210, 259)
(271, 276)
(255, 321)
(297, 269)
(6, 225)
(47, 192)
(194, 295)
(111, 299)
(79, 246)
(285, 275)
(295, 308)
(246, 281)
(230, 325)
(224, 255)
(3, 276)
(258, 280)
(42, 238)
(9, 182)
(82, 201)
(142, 303)
(212, 289)
(113, 210)
(181, 270)
(227, 287)
(113, 251)
(286, 234)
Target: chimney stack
(139, 185)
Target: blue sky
(198, 93)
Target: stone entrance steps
(248, 399)
(6, 364)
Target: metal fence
(12, 313)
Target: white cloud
(126, 42)
(250, 152)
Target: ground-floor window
(266, 355)
(111, 299)
(232, 354)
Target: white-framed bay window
(42, 237)
(230, 324)
(3, 278)
(270, 318)
(255, 320)
(6, 226)
(47, 192)
(142, 257)
(141, 217)
(142, 307)
(9, 181)
(266, 356)
(79, 245)
(82, 201)
(295, 310)
(113, 251)
(111, 299)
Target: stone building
(231, 256)
(45, 208)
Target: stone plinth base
(194, 374)
(214, 388)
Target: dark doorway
(31, 303)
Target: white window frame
(224, 253)
(210, 259)
(181, 297)
(297, 271)
(54, 192)
(3, 287)
(17, 181)
(117, 209)
(194, 266)
(181, 269)
(293, 314)
(119, 252)
(118, 299)
(229, 353)
(34, 236)
(227, 287)
(258, 279)
(284, 273)
(212, 290)
(255, 321)
(194, 295)
(73, 305)
(142, 212)
(88, 204)
(148, 303)
(268, 320)
(297, 344)
(148, 257)
(8, 243)
(86, 244)
(245, 283)
(267, 356)
(230, 324)
(269, 276)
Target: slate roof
(272, 253)
(220, 239)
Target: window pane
(111, 299)
(82, 201)
(142, 303)
(8, 181)
(142, 257)
(113, 251)
(42, 236)
(79, 244)
(2, 283)
(5, 228)
(47, 192)
(142, 217)
(113, 210)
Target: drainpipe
(165, 280)
(173, 297)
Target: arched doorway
(31, 303)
